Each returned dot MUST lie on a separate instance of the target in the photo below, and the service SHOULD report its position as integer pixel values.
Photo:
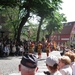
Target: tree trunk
(39, 28)
(24, 20)
(49, 35)
(15, 35)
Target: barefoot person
(39, 49)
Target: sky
(68, 8)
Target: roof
(67, 28)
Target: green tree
(32, 28)
(45, 9)
(9, 3)
(13, 20)
(55, 23)
(10, 9)
(42, 8)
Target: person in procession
(39, 49)
(31, 47)
(47, 48)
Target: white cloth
(66, 70)
(56, 73)
(55, 53)
(21, 49)
(51, 60)
(40, 73)
(73, 67)
(20, 74)
(13, 49)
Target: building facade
(67, 34)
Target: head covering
(55, 53)
(51, 60)
(29, 60)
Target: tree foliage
(55, 23)
(12, 21)
(9, 3)
(45, 9)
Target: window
(55, 37)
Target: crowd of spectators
(12, 47)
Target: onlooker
(72, 57)
(52, 65)
(6, 50)
(0, 74)
(64, 65)
(14, 49)
(72, 48)
(28, 65)
(21, 50)
(1, 48)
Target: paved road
(9, 65)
